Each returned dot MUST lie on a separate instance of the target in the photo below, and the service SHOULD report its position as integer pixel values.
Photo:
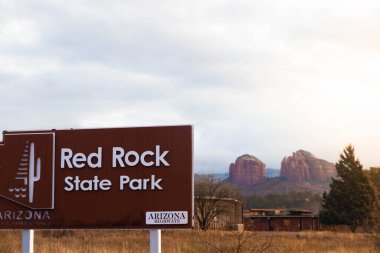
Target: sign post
(27, 240)
(155, 241)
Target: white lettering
(70, 186)
(105, 185)
(86, 185)
(143, 161)
(46, 216)
(155, 184)
(171, 217)
(117, 157)
(161, 157)
(123, 180)
(148, 158)
(66, 154)
(98, 159)
(94, 184)
(135, 184)
(37, 216)
(28, 215)
(140, 183)
(146, 180)
(21, 215)
(80, 160)
(136, 159)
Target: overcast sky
(260, 77)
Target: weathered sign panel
(97, 178)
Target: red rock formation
(247, 170)
(304, 166)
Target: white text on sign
(121, 158)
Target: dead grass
(193, 242)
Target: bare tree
(209, 193)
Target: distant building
(230, 215)
(280, 220)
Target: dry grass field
(193, 241)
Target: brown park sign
(134, 178)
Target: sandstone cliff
(304, 166)
(247, 170)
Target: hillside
(278, 185)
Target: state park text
(121, 158)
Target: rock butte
(247, 170)
(304, 166)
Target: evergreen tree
(351, 198)
(374, 177)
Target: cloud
(263, 77)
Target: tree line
(292, 200)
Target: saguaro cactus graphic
(34, 171)
(27, 169)
(28, 172)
